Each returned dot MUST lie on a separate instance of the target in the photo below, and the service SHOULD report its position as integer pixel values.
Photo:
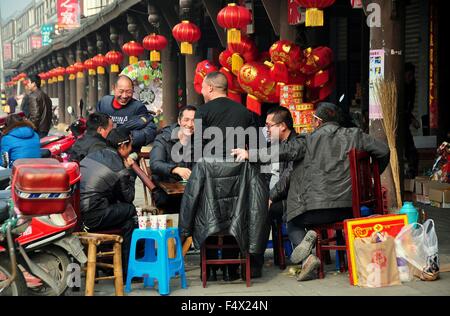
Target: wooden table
(172, 188)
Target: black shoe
(211, 274)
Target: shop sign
(68, 14)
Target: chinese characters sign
(376, 73)
(36, 41)
(68, 14)
(46, 31)
(7, 51)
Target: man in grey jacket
(320, 190)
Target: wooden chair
(94, 242)
(366, 191)
(243, 261)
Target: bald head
(214, 85)
(123, 90)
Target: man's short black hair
(36, 79)
(96, 120)
(186, 108)
(282, 115)
(117, 137)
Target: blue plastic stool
(156, 263)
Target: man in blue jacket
(129, 114)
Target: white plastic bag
(418, 244)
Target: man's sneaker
(309, 269)
(303, 250)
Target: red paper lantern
(186, 33)
(71, 71)
(234, 17)
(133, 50)
(314, 13)
(79, 67)
(243, 52)
(255, 79)
(90, 66)
(321, 85)
(114, 58)
(234, 89)
(203, 68)
(316, 59)
(100, 62)
(154, 43)
(60, 72)
(53, 76)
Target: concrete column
(61, 99)
(93, 92)
(102, 83)
(66, 99)
(192, 97)
(73, 97)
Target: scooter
(46, 245)
(58, 146)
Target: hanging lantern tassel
(314, 17)
(114, 68)
(133, 60)
(233, 36)
(92, 72)
(253, 104)
(100, 70)
(155, 55)
(236, 63)
(186, 48)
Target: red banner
(36, 41)
(7, 51)
(68, 14)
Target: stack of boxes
(291, 97)
(423, 190)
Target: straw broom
(386, 96)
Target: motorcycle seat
(51, 139)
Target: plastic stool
(156, 263)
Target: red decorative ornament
(186, 33)
(60, 72)
(316, 59)
(71, 71)
(255, 79)
(90, 66)
(243, 52)
(203, 68)
(53, 75)
(314, 13)
(234, 89)
(133, 50)
(154, 43)
(114, 58)
(234, 18)
(100, 62)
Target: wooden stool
(93, 241)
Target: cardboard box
(440, 193)
(419, 184)
(408, 185)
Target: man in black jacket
(107, 190)
(170, 166)
(40, 107)
(320, 189)
(98, 127)
(128, 113)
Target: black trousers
(117, 216)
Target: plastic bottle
(412, 213)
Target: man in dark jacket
(220, 112)
(320, 190)
(128, 113)
(229, 198)
(107, 190)
(40, 107)
(98, 127)
(169, 166)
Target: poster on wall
(68, 14)
(147, 78)
(376, 72)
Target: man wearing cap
(320, 189)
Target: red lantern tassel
(236, 63)
(253, 104)
(133, 60)
(186, 48)
(233, 36)
(155, 55)
(314, 17)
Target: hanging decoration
(234, 89)
(234, 18)
(114, 58)
(100, 62)
(203, 68)
(186, 33)
(243, 52)
(79, 67)
(71, 71)
(60, 72)
(90, 66)
(314, 10)
(44, 77)
(133, 50)
(154, 43)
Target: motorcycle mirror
(70, 110)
